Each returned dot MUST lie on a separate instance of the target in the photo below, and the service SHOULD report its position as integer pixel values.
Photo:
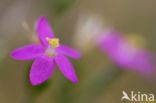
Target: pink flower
(124, 54)
(46, 55)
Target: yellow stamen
(53, 42)
(136, 40)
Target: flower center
(53, 43)
(136, 40)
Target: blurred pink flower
(46, 55)
(124, 54)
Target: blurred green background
(100, 81)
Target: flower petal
(144, 62)
(68, 51)
(109, 41)
(44, 30)
(28, 52)
(66, 68)
(41, 70)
